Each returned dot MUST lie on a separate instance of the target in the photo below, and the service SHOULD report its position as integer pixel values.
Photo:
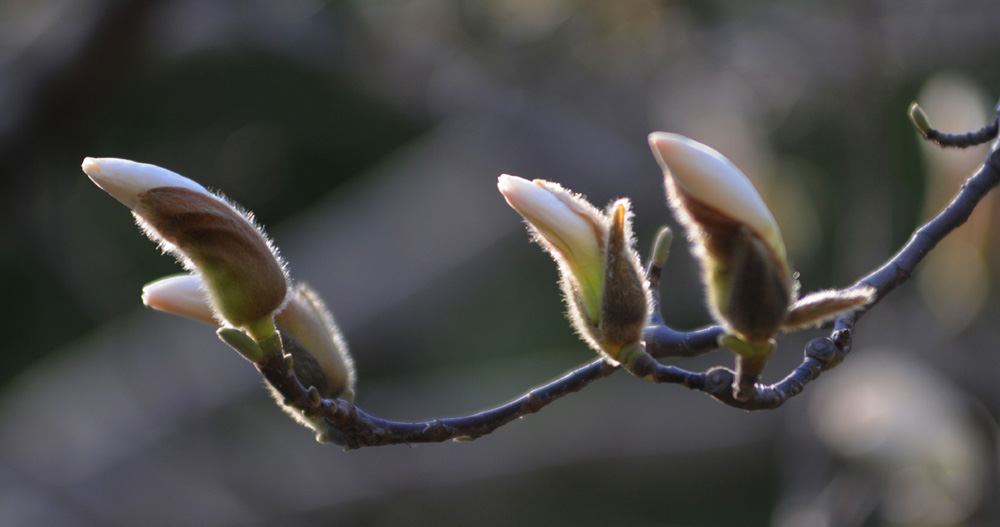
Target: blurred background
(367, 137)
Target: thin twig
(986, 134)
(983, 135)
(351, 427)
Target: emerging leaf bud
(308, 333)
(750, 287)
(919, 119)
(606, 293)
(245, 279)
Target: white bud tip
(182, 295)
(528, 197)
(559, 217)
(127, 180)
(709, 177)
(510, 184)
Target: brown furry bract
(245, 279)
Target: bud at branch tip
(661, 246)
(919, 119)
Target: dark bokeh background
(367, 137)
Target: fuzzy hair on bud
(819, 307)
(608, 299)
(627, 301)
(244, 277)
(308, 331)
(701, 174)
(318, 349)
(749, 285)
(748, 281)
(751, 294)
(569, 228)
(318, 354)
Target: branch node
(314, 396)
(719, 382)
(533, 402)
(825, 351)
(338, 414)
(643, 366)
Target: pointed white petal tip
(529, 198)
(506, 181)
(182, 295)
(709, 177)
(127, 180)
(556, 212)
(509, 184)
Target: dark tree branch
(361, 429)
(983, 135)
(663, 341)
(822, 354)
(351, 427)
(987, 133)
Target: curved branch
(357, 428)
(899, 269)
(351, 427)
(983, 135)
(663, 341)
(822, 354)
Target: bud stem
(266, 335)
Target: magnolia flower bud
(244, 277)
(750, 287)
(606, 293)
(308, 332)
